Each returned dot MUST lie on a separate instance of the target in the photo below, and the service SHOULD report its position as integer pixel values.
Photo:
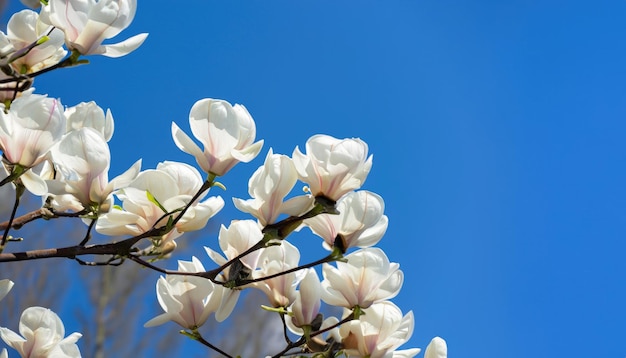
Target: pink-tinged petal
(337, 289)
(187, 145)
(228, 301)
(307, 303)
(325, 226)
(248, 153)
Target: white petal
(34, 183)
(5, 286)
(436, 349)
(122, 48)
(187, 145)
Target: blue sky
(497, 129)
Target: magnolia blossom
(29, 129)
(436, 349)
(307, 304)
(187, 300)
(333, 167)
(234, 240)
(20, 49)
(360, 221)
(24, 29)
(378, 333)
(268, 187)
(366, 278)
(89, 114)
(82, 160)
(280, 290)
(227, 133)
(42, 333)
(87, 23)
(32, 125)
(154, 193)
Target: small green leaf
(154, 201)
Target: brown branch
(40, 213)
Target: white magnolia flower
(42, 333)
(268, 187)
(5, 286)
(82, 160)
(187, 300)
(227, 133)
(378, 333)
(360, 222)
(30, 128)
(240, 236)
(28, 131)
(366, 278)
(24, 29)
(436, 349)
(87, 23)
(236, 239)
(333, 167)
(153, 194)
(280, 290)
(89, 114)
(307, 304)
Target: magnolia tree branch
(41, 213)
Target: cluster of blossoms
(62, 155)
(255, 253)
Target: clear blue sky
(497, 129)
